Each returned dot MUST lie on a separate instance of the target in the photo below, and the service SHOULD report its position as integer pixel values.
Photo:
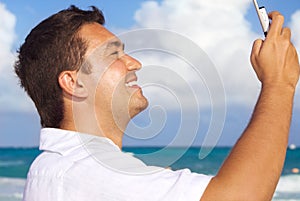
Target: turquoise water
(14, 164)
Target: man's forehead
(98, 37)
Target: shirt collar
(64, 141)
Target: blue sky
(221, 28)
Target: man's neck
(111, 131)
(79, 119)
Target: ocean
(15, 162)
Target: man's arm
(252, 170)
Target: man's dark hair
(51, 47)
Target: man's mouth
(131, 84)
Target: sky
(186, 108)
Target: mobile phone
(263, 17)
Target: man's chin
(141, 106)
(145, 105)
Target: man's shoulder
(49, 164)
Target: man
(83, 86)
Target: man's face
(111, 80)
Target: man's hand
(275, 61)
(252, 169)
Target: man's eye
(115, 53)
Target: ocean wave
(11, 163)
(12, 181)
(289, 183)
(14, 197)
(288, 188)
(11, 189)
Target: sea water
(15, 162)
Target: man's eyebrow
(115, 44)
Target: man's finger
(255, 51)
(257, 46)
(286, 33)
(277, 23)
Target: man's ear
(71, 84)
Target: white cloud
(295, 28)
(11, 96)
(219, 27)
(7, 21)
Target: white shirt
(78, 167)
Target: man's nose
(131, 63)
